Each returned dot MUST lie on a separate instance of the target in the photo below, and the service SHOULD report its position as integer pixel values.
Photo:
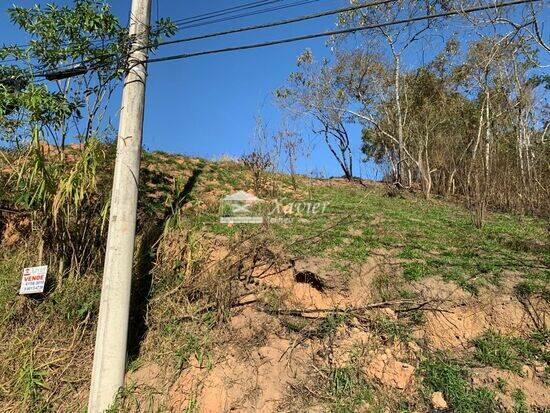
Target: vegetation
(452, 379)
(209, 298)
(62, 189)
(184, 298)
(509, 353)
(520, 405)
(484, 92)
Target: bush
(67, 194)
(258, 163)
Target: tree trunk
(476, 146)
(488, 138)
(401, 143)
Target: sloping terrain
(380, 301)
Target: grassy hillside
(375, 304)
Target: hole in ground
(308, 277)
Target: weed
(414, 271)
(75, 300)
(388, 287)
(193, 346)
(193, 405)
(330, 324)
(502, 385)
(31, 382)
(349, 390)
(125, 399)
(453, 380)
(342, 381)
(273, 300)
(508, 353)
(417, 318)
(410, 252)
(390, 330)
(528, 288)
(312, 329)
(356, 250)
(134, 365)
(520, 401)
(541, 337)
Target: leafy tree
(86, 34)
(398, 39)
(67, 196)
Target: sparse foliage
(314, 92)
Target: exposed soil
(463, 316)
(536, 392)
(259, 362)
(250, 375)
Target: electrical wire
(255, 27)
(338, 32)
(228, 10)
(322, 34)
(192, 19)
(275, 24)
(254, 13)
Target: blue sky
(207, 106)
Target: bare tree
(313, 92)
(291, 145)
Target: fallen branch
(14, 211)
(351, 310)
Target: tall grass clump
(67, 196)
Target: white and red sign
(34, 280)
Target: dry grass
(193, 276)
(44, 345)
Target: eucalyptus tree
(313, 92)
(397, 39)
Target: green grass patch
(391, 330)
(193, 346)
(313, 328)
(453, 381)
(528, 288)
(520, 401)
(414, 271)
(508, 353)
(349, 390)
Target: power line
(192, 19)
(337, 32)
(228, 10)
(261, 26)
(277, 23)
(254, 13)
(310, 36)
(200, 17)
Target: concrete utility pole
(112, 329)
